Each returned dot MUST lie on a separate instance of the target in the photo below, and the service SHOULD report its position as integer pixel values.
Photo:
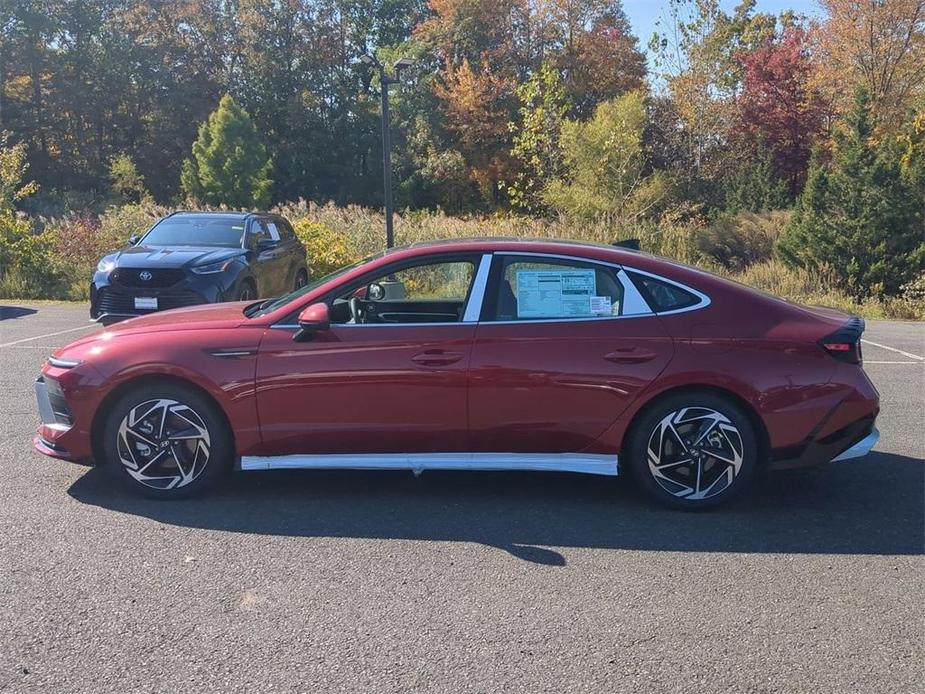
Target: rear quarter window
(663, 296)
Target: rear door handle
(630, 355)
(436, 357)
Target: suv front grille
(116, 302)
(131, 277)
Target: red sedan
(472, 355)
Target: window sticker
(555, 293)
(601, 305)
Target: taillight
(845, 343)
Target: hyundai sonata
(472, 355)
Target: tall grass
(737, 247)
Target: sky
(643, 14)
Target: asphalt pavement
(460, 582)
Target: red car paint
(528, 387)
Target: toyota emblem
(145, 276)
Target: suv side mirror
(133, 239)
(313, 319)
(266, 244)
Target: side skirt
(591, 464)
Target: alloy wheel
(163, 444)
(695, 453)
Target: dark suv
(190, 258)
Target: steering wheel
(356, 311)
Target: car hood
(155, 257)
(201, 317)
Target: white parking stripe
(39, 337)
(868, 361)
(893, 349)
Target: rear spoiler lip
(850, 332)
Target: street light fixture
(385, 80)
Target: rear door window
(535, 288)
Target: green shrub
(737, 241)
(29, 267)
(327, 250)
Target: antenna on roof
(631, 244)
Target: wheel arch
(106, 405)
(761, 430)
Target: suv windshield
(272, 304)
(196, 231)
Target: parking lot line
(868, 361)
(39, 337)
(893, 349)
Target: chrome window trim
(704, 299)
(477, 293)
(633, 302)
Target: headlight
(105, 265)
(212, 267)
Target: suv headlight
(106, 265)
(212, 267)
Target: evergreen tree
(229, 165)
(755, 186)
(858, 215)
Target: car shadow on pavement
(9, 312)
(873, 505)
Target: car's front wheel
(166, 441)
(693, 450)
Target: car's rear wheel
(693, 450)
(166, 441)
(301, 279)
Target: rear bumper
(853, 441)
(861, 448)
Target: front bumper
(58, 436)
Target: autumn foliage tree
(777, 108)
(875, 45)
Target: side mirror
(266, 244)
(134, 239)
(313, 319)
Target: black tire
(182, 459)
(722, 462)
(301, 279)
(247, 291)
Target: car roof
(221, 214)
(581, 249)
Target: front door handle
(630, 355)
(436, 357)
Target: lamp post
(385, 80)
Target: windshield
(196, 231)
(273, 304)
